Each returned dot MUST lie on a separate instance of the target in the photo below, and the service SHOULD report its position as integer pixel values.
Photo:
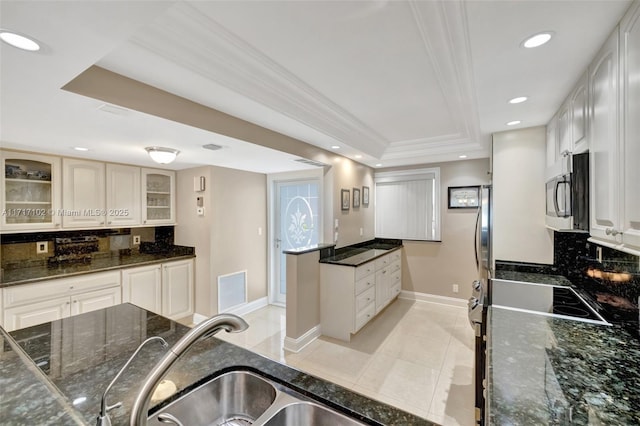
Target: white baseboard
(433, 298)
(296, 345)
(249, 307)
(238, 310)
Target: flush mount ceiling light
(518, 100)
(18, 40)
(537, 39)
(379, 165)
(335, 147)
(357, 156)
(162, 155)
(513, 123)
(462, 156)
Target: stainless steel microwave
(567, 197)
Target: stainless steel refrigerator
(480, 296)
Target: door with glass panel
(297, 225)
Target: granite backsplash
(19, 250)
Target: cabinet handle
(68, 303)
(109, 222)
(611, 231)
(70, 287)
(144, 221)
(75, 301)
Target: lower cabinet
(166, 289)
(32, 304)
(351, 296)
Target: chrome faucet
(228, 322)
(103, 418)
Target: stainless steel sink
(235, 398)
(241, 398)
(309, 413)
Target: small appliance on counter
(74, 250)
(567, 205)
(480, 297)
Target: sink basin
(309, 413)
(241, 398)
(235, 398)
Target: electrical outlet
(136, 240)
(42, 247)
(599, 254)
(455, 288)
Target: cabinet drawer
(365, 283)
(395, 290)
(22, 294)
(395, 266)
(363, 317)
(396, 256)
(365, 298)
(383, 262)
(364, 270)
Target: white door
(297, 224)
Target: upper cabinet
(123, 195)
(630, 126)
(83, 197)
(159, 202)
(30, 191)
(578, 104)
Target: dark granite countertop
(43, 272)
(359, 255)
(87, 350)
(531, 277)
(551, 371)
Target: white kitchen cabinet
(177, 289)
(83, 194)
(142, 286)
(158, 189)
(123, 195)
(32, 304)
(166, 289)
(630, 127)
(564, 132)
(350, 297)
(579, 105)
(30, 192)
(604, 143)
(552, 148)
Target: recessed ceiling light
(513, 123)
(537, 39)
(518, 100)
(335, 146)
(19, 41)
(357, 156)
(462, 156)
(379, 165)
(80, 148)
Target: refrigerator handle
(475, 238)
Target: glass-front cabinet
(30, 191)
(158, 187)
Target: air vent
(212, 146)
(112, 109)
(310, 162)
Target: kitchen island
(85, 352)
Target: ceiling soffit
(187, 36)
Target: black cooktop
(566, 302)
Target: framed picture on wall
(464, 197)
(365, 196)
(344, 197)
(356, 198)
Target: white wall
(519, 231)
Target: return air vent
(310, 162)
(212, 146)
(112, 109)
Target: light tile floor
(417, 356)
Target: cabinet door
(30, 191)
(382, 289)
(94, 300)
(83, 196)
(143, 287)
(603, 141)
(36, 313)
(123, 195)
(579, 99)
(177, 289)
(158, 188)
(552, 148)
(564, 133)
(630, 85)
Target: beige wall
(347, 174)
(433, 267)
(519, 232)
(303, 297)
(226, 238)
